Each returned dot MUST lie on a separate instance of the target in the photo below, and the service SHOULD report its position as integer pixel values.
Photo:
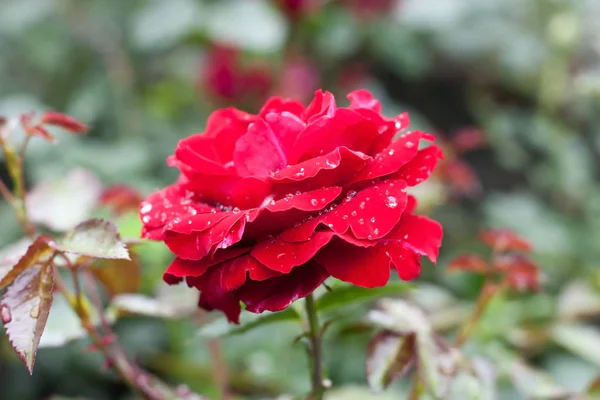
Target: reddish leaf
(119, 275)
(468, 139)
(63, 121)
(520, 272)
(95, 238)
(42, 132)
(24, 310)
(38, 249)
(469, 263)
(389, 356)
(504, 240)
(122, 198)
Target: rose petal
(283, 256)
(366, 267)
(419, 168)
(162, 207)
(198, 154)
(323, 105)
(418, 234)
(259, 152)
(244, 193)
(364, 99)
(183, 268)
(279, 105)
(278, 293)
(335, 168)
(406, 262)
(372, 213)
(346, 128)
(393, 157)
(280, 214)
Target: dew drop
(362, 205)
(376, 231)
(345, 217)
(370, 237)
(5, 314)
(398, 125)
(353, 213)
(409, 145)
(406, 236)
(146, 219)
(330, 225)
(314, 202)
(373, 219)
(361, 221)
(391, 152)
(35, 311)
(177, 220)
(146, 208)
(280, 255)
(213, 211)
(350, 195)
(331, 164)
(391, 202)
(323, 200)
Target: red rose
(268, 206)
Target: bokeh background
(510, 87)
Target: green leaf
(38, 249)
(95, 238)
(24, 310)
(580, 339)
(535, 384)
(248, 321)
(349, 295)
(62, 204)
(389, 356)
(138, 304)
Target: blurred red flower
(223, 76)
(268, 206)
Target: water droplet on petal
(373, 219)
(345, 217)
(370, 237)
(314, 202)
(235, 210)
(213, 211)
(35, 311)
(5, 314)
(406, 236)
(376, 231)
(391, 202)
(353, 213)
(280, 255)
(323, 200)
(361, 221)
(146, 208)
(350, 195)
(362, 205)
(146, 219)
(409, 145)
(391, 152)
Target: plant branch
(314, 335)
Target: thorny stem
(114, 354)
(316, 354)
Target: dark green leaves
(24, 310)
(348, 295)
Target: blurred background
(510, 88)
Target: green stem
(316, 354)
(486, 294)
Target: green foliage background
(526, 72)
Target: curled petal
(366, 267)
(421, 166)
(323, 105)
(63, 121)
(181, 268)
(335, 168)
(395, 156)
(364, 99)
(419, 234)
(283, 256)
(278, 293)
(406, 262)
(259, 151)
